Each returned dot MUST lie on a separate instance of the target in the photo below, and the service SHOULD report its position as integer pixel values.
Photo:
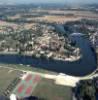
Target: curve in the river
(82, 67)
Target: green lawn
(48, 90)
(6, 77)
(27, 68)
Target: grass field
(6, 78)
(48, 90)
(28, 68)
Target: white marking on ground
(10, 71)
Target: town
(48, 52)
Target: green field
(28, 68)
(6, 78)
(48, 90)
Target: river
(86, 65)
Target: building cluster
(94, 40)
(40, 40)
(50, 45)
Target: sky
(50, 1)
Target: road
(60, 79)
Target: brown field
(76, 15)
(85, 13)
(57, 19)
(4, 23)
(60, 18)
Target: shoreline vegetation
(70, 59)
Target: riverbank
(27, 68)
(70, 59)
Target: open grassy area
(48, 90)
(27, 68)
(6, 78)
